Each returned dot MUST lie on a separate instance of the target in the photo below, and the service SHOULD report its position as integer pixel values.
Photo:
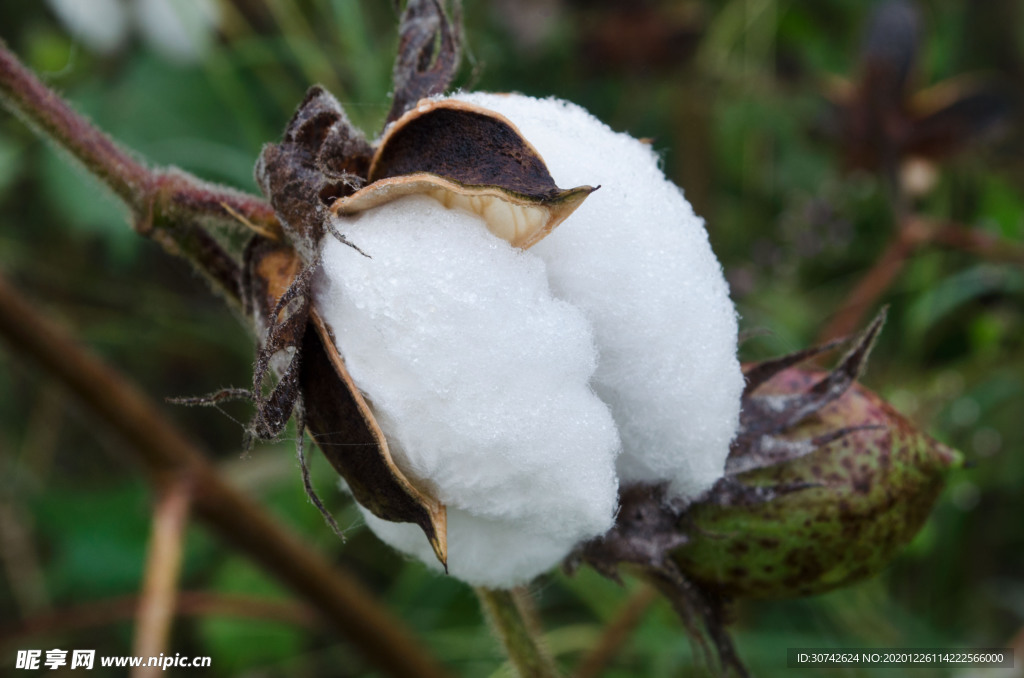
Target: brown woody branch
(915, 233)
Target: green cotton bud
(823, 484)
(824, 489)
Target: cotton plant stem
(166, 456)
(978, 242)
(163, 568)
(187, 604)
(513, 622)
(879, 278)
(915, 233)
(702, 619)
(168, 205)
(617, 633)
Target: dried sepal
(337, 415)
(763, 416)
(321, 158)
(468, 157)
(429, 50)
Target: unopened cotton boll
(479, 379)
(637, 261)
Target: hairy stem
(168, 205)
(166, 456)
(513, 622)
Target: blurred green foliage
(731, 92)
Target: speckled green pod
(874, 488)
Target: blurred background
(816, 141)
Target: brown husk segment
(521, 222)
(337, 415)
(466, 144)
(471, 158)
(870, 491)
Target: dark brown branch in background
(167, 457)
(978, 242)
(163, 567)
(169, 206)
(873, 284)
(915, 234)
(188, 604)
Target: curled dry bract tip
(467, 157)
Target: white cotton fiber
(479, 378)
(636, 260)
(492, 553)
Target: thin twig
(873, 284)
(615, 635)
(515, 625)
(188, 604)
(163, 567)
(980, 243)
(166, 455)
(701, 615)
(915, 233)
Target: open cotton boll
(637, 261)
(524, 553)
(479, 379)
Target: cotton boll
(637, 261)
(479, 379)
(474, 543)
